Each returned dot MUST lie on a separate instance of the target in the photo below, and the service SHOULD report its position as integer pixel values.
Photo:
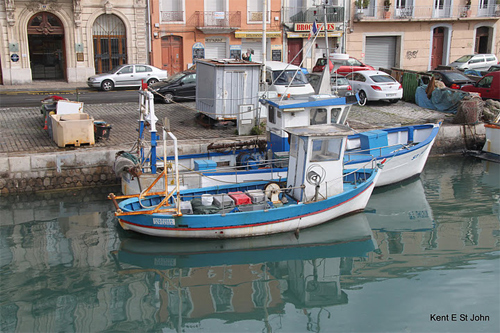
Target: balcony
(306, 15)
(217, 22)
(376, 13)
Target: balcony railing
(217, 19)
(172, 16)
(304, 15)
(422, 12)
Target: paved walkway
(21, 128)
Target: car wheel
(362, 98)
(393, 100)
(151, 81)
(107, 85)
(168, 98)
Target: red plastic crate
(240, 198)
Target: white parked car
(375, 86)
(480, 62)
(287, 79)
(127, 76)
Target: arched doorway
(171, 54)
(437, 47)
(46, 47)
(110, 43)
(483, 42)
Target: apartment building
(70, 39)
(420, 35)
(183, 31)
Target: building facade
(69, 39)
(183, 31)
(422, 35)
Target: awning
(292, 34)
(256, 34)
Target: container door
(234, 92)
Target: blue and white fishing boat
(402, 150)
(317, 190)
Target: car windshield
(339, 81)
(321, 62)
(464, 58)
(382, 78)
(285, 77)
(174, 77)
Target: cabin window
(326, 149)
(271, 115)
(335, 112)
(344, 114)
(317, 116)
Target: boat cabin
(315, 166)
(297, 111)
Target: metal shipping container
(223, 85)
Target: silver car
(127, 76)
(338, 83)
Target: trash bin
(101, 130)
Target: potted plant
(361, 5)
(387, 8)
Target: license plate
(390, 95)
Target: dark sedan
(178, 87)
(452, 79)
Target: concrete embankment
(30, 161)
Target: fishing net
(469, 111)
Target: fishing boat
(317, 190)
(404, 150)
(491, 148)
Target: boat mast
(264, 36)
(325, 28)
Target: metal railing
(217, 19)
(304, 15)
(429, 12)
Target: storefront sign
(308, 26)
(306, 34)
(257, 34)
(215, 40)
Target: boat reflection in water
(491, 178)
(410, 210)
(250, 277)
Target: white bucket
(207, 199)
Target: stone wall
(39, 172)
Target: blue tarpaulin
(446, 100)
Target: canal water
(423, 257)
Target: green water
(423, 257)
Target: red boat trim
(248, 225)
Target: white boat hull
(356, 204)
(401, 167)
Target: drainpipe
(264, 37)
(148, 24)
